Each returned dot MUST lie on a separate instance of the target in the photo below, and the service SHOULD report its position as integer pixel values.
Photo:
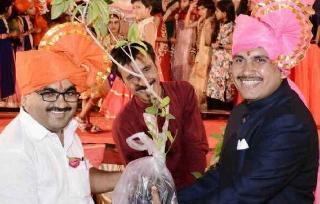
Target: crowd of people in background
(192, 42)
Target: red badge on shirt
(74, 162)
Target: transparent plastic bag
(134, 186)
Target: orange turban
(72, 56)
(22, 5)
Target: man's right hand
(155, 195)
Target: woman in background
(161, 45)
(7, 66)
(220, 89)
(146, 26)
(119, 95)
(184, 49)
(204, 26)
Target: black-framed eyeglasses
(51, 95)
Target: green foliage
(164, 102)
(59, 7)
(152, 110)
(169, 135)
(196, 174)
(133, 38)
(133, 33)
(160, 109)
(95, 14)
(217, 149)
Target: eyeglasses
(52, 95)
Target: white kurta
(34, 168)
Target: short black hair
(4, 5)
(119, 54)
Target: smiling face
(137, 85)
(52, 115)
(254, 74)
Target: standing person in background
(170, 9)
(220, 88)
(146, 26)
(7, 67)
(119, 94)
(161, 46)
(26, 12)
(204, 25)
(184, 48)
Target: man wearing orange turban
(42, 157)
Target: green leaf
(169, 136)
(218, 136)
(133, 34)
(196, 174)
(217, 149)
(170, 117)
(164, 102)
(99, 28)
(152, 110)
(104, 11)
(163, 112)
(93, 12)
(55, 2)
(57, 10)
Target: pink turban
(282, 28)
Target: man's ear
(24, 102)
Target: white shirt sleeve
(18, 180)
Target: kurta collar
(37, 131)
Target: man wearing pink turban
(270, 151)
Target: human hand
(155, 195)
(193, 5)
(4, 36)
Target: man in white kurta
(41, 157)
(28, 148)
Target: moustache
(141, 88)
(66, 109)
